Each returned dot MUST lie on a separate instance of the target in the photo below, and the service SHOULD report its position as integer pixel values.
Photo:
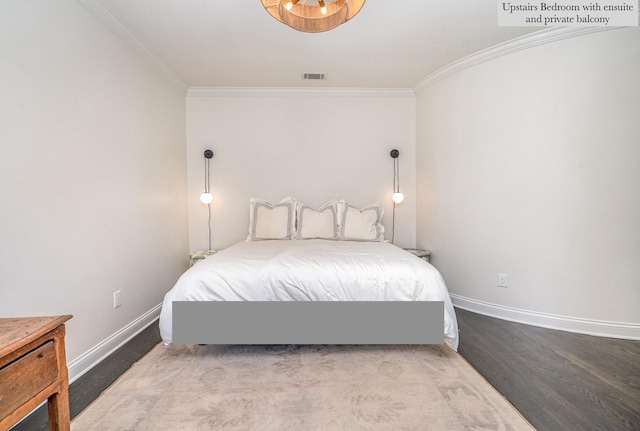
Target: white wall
(93, 177)
(311, 147)
(529, 165)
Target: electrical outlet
(502, 280)
(117, 299)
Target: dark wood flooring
(559, 381)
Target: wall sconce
(397, 196)
(206, 197)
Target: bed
(294, 264)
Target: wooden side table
(197, 256)
(422, 254)
(33, 369)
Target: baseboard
(97, 354)
(600, 328)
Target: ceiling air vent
(314, 76)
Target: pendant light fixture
(313, 16)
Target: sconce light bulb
(206, 198)
(288, 5)
(397, 197)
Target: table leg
(59, 418)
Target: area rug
(299, 388)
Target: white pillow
(269, 221)
(318, 224)
(361, 224)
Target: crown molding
(521, 43)
(108, 18)
(298, 92)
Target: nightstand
(197, 256)
(422, 254)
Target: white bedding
(311, 270)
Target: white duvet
(311, 270)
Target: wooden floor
(559, 381)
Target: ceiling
(389, 44)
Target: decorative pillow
(268, 221)
(361, 224)
(318, 224)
